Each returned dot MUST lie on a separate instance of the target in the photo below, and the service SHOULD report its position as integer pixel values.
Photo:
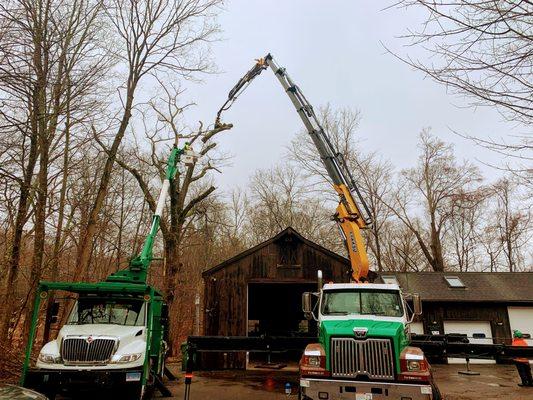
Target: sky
(334, 50)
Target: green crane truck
(114, 337)
(363, 350)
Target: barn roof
(289, 231)
(506, 287)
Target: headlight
(49, 358)
(413, 365)
(128, 358)
(313, 361)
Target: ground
(494, 382)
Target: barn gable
(288, 250)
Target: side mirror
(164, 314)
(54, 313)
(307, 306)
(417, 304)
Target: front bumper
(47, 380)
(329, 389)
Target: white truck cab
(99, 334)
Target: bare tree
(158, 36)
(400, 248)
(281, 197)
(513, 224)
(188, 191)
(465, 227)
(424, 194)
(50, 47)
(483, 49)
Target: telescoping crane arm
(350, 217)
(137, 270)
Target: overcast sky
(332, 50)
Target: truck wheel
(51, 395)
(131, 392)
(435, 392)
(302, 396)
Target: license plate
(133, 376)
(363, 396)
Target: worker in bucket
(522, 364)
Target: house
(486, 306)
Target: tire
(51, 395)
(435, 392)
(131, 392)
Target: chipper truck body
(115, 334)
(363, 347)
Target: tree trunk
(14, 256)
(40, 210)
(377, 242)
(86, 242)
(54, 272)
(436, 247)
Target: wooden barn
(258, 292)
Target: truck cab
(363, 345)
(99, 333)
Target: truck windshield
(362, 302)
(99, 311)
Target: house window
(390, 279)
(454, 282)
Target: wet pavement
(494, 382)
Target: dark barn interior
(274, 309)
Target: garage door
(476, 331)
(521, 318)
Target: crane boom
(350, 217)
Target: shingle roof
(508, 287)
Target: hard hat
(517, 333)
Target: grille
(86, 350)
(371, 357)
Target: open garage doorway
(275, 309)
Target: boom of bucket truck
(363, 347)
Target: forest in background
(91, 104)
